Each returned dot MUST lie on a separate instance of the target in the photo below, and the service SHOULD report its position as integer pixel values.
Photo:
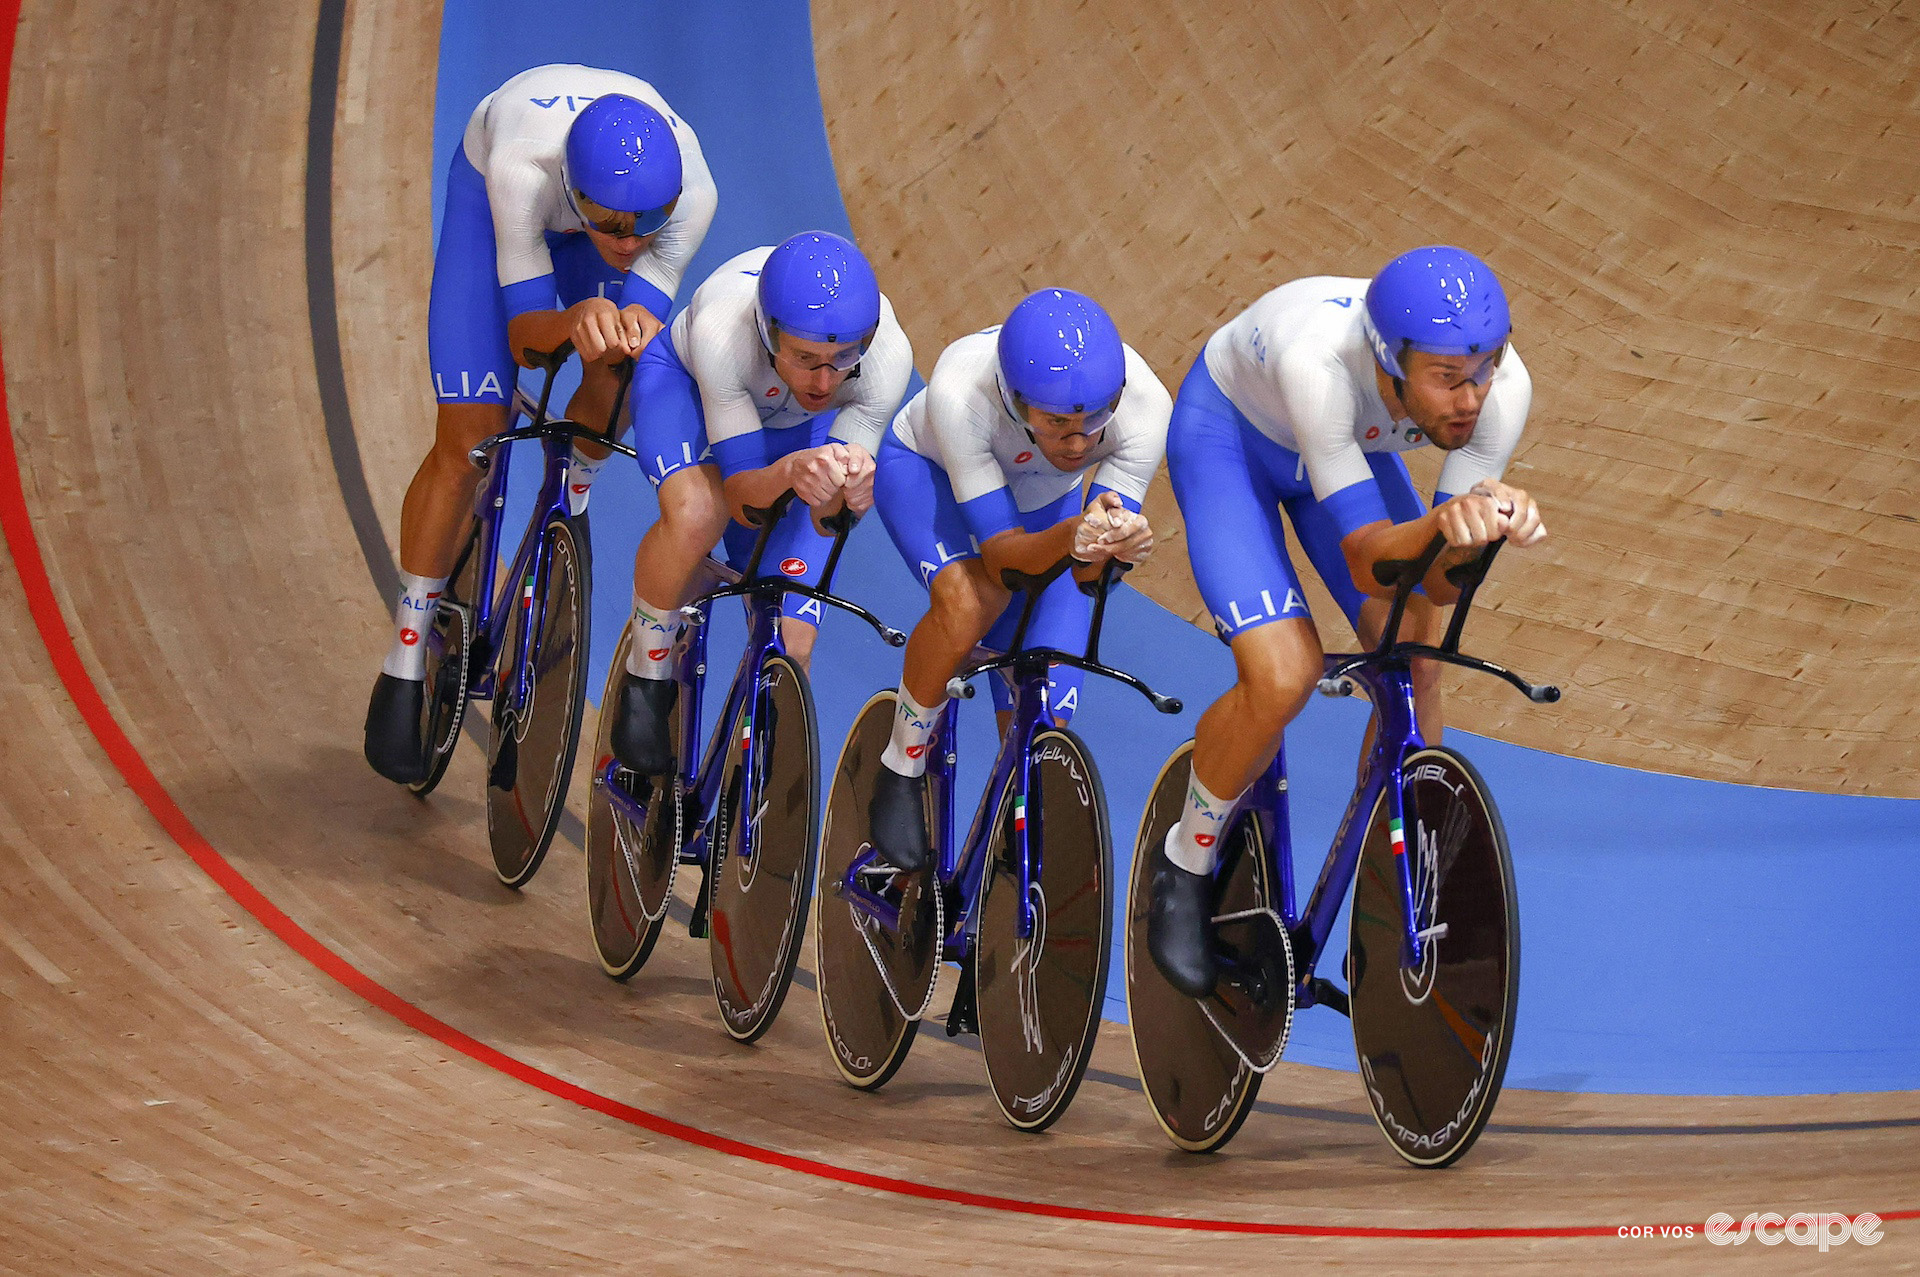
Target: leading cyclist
(1305, 401)
(573, 187)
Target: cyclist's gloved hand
(1108, 530)
(819, 475)
(1473, 519)
(604, 332)
(860, 469)
(1524, 525)
(1130, 540)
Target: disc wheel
(763, 849)
(1433, 1040)
(536, 720)
(868, 1031)
(630, 863)
(1040, 996)
(450, 649)
(1198, 1086)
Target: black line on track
(323, 318)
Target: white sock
(913, 728)
(580, 476)
(412, 618)
(655, 629)
(1194, 843)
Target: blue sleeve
(1355, 506)
(990, 514)
(741, 453)
(638, 290)
(1093, 495)
(529, 294)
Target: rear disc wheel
(536, 719)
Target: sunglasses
(621, 225)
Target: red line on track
(44, 606)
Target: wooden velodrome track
(189, 1091)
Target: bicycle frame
(763, 596)
(1389, 686)
(963, 868)
(1387, 675)
(529, 567)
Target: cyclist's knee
(1278, 666)
(965, 600)
(692, 506)
(458, 428)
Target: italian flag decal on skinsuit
(1398, 835)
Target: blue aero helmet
(817, 286)
(1059, 352)
(1439, 299)
(622, 166)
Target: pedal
(964, 1015)
(1252, 1007)
(1328, 994)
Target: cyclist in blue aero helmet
(781, 373)
(983, 471)
(1444, 301)
(623, 166)
(574, 203)
(1059, 352)
(1304, 402)
(816, 286)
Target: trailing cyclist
(573, 206)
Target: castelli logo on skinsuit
(1023, 458)
(658, 653)
(793, 567)
(409, 637)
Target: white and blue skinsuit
(511, 241)
(1282, 410)
(706, 392)
(956, 470)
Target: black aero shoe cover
(393, 729)
(643, 717)
(1180, 927)
(899, 820)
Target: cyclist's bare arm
(1469, 521)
